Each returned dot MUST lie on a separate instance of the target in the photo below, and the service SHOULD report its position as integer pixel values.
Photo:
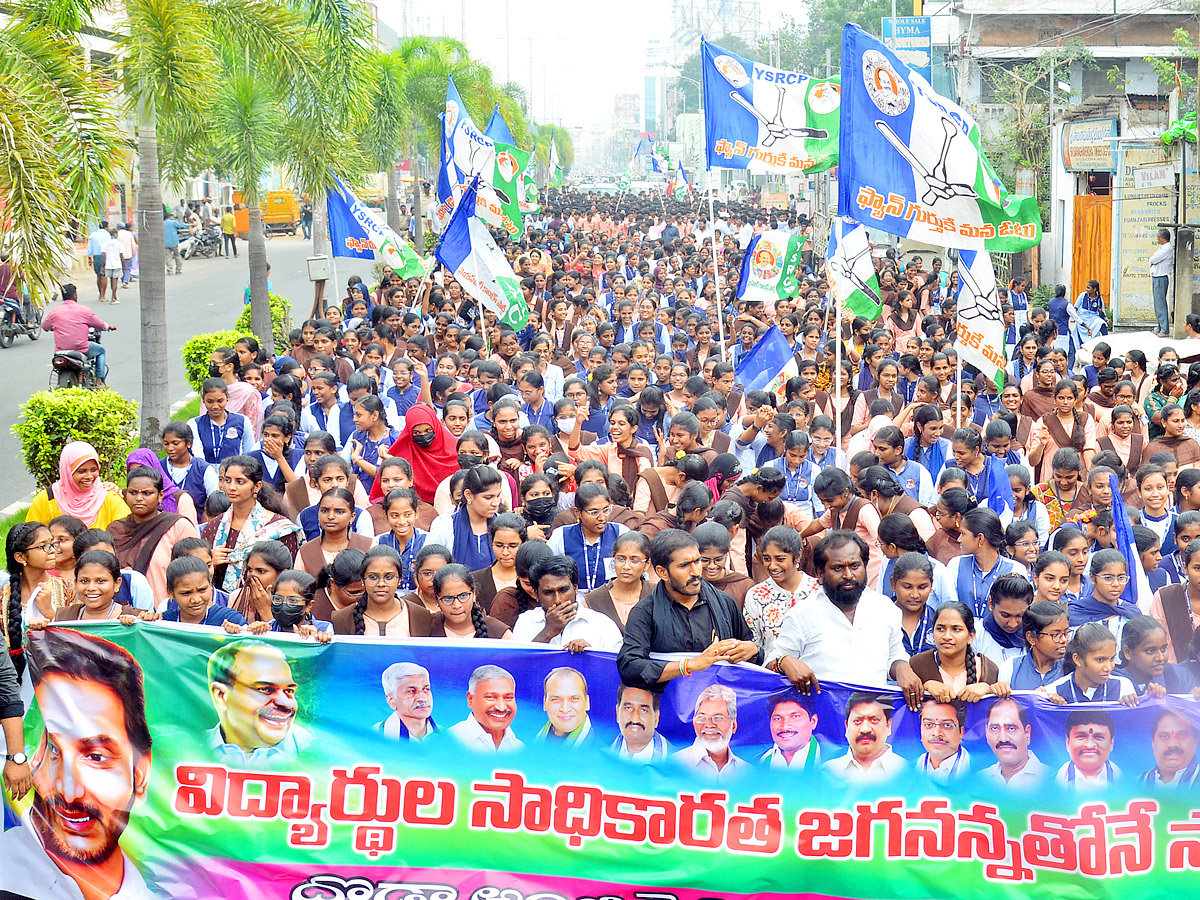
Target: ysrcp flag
(763, 119)
(498, 130)
(468, 251)
(679, 184)
(980, 320)
(769, 267)
(769, 364)
(357, 232)
(555, 169)
(851, 271)
(469, 152)
(918, 168)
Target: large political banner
(184, 763)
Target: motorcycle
(19, 318)
(73, 368)
(205, 242)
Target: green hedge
(52, 419)
(198, 351)
(281, 322)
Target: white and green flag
(769, 267)
(468, 251)
(555, 169)
(851, 271)
(980, 318)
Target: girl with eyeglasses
(1104, 603)
(460, 615)
(590, 542)
(31, 552)
(1047, 629)
(380, 612)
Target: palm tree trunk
(152, 285)
(260, 305)
(392, 204)
(418, 224)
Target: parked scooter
(19, 318)
(205, 242)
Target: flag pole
(712, 217)
(837, 375)
(958, 391)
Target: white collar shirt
(836, 649)
(471, 733)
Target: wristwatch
(19, 758)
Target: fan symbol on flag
(973, 301)
(937, 187)
(776, 129)
(847, 269)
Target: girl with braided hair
(461, 615)
(379, 612)
(30, 552)
(952, 670)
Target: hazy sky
(576, 54)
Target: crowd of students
(413, 469)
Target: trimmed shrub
(198, 351)
(281, 322)
(52, 419)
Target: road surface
(206, 297)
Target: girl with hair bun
(969, 578)
(952, 504)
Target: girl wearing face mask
(291, 608)
(430, 449)
(539, 504)
(465, 531)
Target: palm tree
(60, 148)
(384, 134)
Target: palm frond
(246, 120)
(167, 57)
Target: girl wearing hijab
(431, 449)
(79, 492)
(174, 499)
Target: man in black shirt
(684, 614)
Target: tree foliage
(60, 146)
(1023, 139)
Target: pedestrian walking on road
(229, 230)
(171, 228)
(96, 241)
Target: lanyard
(591, 570)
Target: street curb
(180, 404)
(24, 502)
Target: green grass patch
(190, 411)
(7, 524)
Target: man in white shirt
(1008, 734)
(1173, 738)
(93, 765)
(1162, 265)
(715, 722)
(492, 697)
(637, 718)
(407, 691)
(562, 618)
(792, 726)
(847, 632)
(1091, 734)
(870, 758)
(942, 728)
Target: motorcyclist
(9, 288)
(70, 323)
